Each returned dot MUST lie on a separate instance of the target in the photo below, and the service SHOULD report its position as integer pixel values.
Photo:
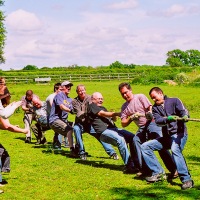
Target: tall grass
(39, 173)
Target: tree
(117, 65)
(193, 57)
(2, 34)
(178, 58)
(30, 67)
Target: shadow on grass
(23, 139)
(154, 191)
(100, 164)
(194, 158)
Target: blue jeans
(112, 136)
(174, 142)
(149, 132)
(79, 130)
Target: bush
(181, 78)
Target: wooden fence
(72, 77)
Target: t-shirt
(49, 99)
(100, 124)
(56, 112)
(139, 103)
(41, 113)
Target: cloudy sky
(98, 32)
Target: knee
(144, 147)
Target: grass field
(39, 173)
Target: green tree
(178, 58)
(116, 64)
(2, 34)
(193, 57)
(30, 67)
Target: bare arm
(108, 114)
(126, 121)
(63, 107)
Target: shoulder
(51, 96)
(140, 96)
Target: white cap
(66, 83)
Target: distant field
(37, 173)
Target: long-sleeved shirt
(7, 111)
(172, 106)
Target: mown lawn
(39, 173)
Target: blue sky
(98, 32)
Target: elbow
(123, 125)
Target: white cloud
(21, 20)
(128, 4)
(176, 10)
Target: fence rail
(72, 77)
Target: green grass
(39, 173)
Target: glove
(149, 115)
(185, 118)
(172, 118)
(135, 116)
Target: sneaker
(83, 156)
(28, 140)
(1, 191)
(156, 178)
(114, 156)
(187, 185)
(130, 170)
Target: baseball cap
(66, 83)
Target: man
(107, 131)
(166, 112)
(57, 140)
(80, 106)
(4, 156)
(138, 108)
(28, 114)
(61, 107)
(40, 110)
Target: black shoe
(130, 170)
(4, 182)
(156, 178)
(173, 175)
(28, 140)
(73, 154)
(187, 185)
(43, 141)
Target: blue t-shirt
(56, 112)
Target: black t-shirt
(100, 124)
